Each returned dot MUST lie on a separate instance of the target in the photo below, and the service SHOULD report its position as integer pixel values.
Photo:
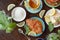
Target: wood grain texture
(15, 35)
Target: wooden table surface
(15, 35)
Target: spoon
(21, 31)
(22, 2)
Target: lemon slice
(47, 18)
(36, 1)
(52, 20)
(21, 24)
(10, 6)
(32, 33)
(42, 13)
(26, 3)
(53, 11)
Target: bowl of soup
(34, 26)
(52, 3)
(34, 4)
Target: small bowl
(48, 12)
(29, 9)
(50, 5)
(18, 14)
(43, 25)
(36, 7)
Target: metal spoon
(21, 31)
(22, 2)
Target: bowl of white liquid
(18, 14)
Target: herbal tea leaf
(2, 27)
(51, 26)
(8, 30)
(10, 27)
(27, 29)
(59, 32)
(3, 20)
(6, 24)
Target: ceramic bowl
(18, 14)
(50, 5)
(43, 25)
(29, 9)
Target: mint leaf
(27, 29)
(53, 36)
(8, 30)
(3, 20)
(5, 23)
(59, 32)
(51, 26)
(2, 27)
(10, 27)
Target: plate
(18, 14)
(43, 25)
(50, 5)
(29, 9)
(48, 12)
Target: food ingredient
(34, 25)
(53, 2)
(53, 12)
(59, 32)
(51, 26)
(53, 36)
(41, 14)
(5, 23)
(27, 29)
(34, 4)
(32, 33)
(21, 24)
(47, 18)
(52, 18)
(10, 6)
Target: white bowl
(18, 14)
(48, 12)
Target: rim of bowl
(50, 5)
(40, 7)
(42, 25)
(45, 19)
(40, 38)
(15, 10)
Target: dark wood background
(15, 35)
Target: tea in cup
(34, 4)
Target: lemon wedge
(42, 13)
(10, 6)
(25, 3)
(52, 20)
(32, 33)
(36, 1)
(21, 24)
(47, 18)
(53, 11)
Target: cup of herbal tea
(34, 4)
